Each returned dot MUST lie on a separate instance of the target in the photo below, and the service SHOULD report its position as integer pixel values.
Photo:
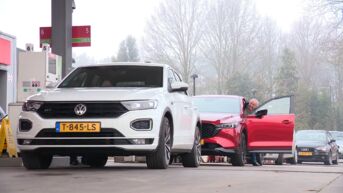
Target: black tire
(328, 159)
(34, 161)
(95, 161)
(279, 160)
(239, 158)
(260, 158)
(160, 158)
(299, 162)
(193, 158)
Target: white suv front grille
(51, 110)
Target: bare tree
(269, 49)
(334, 55)
(216, 42)
(128, 51)
(228, 42)
(306, 40)
(318, 43)
(333, 45)
(331, 8)
(173, 34)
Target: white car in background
(109, 110)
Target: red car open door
(271, 132)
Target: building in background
(8, 71)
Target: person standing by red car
(249, 107)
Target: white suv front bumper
(130, 140)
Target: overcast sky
(111, 20)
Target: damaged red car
(227, 131)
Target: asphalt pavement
(209, 178)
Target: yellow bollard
(2, 137)
(6, 139)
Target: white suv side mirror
(179, 86)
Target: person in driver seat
(106, 83)
(250, 106)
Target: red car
(227, 131)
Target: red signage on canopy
(44, 35)
(81, 36)
(5, 51)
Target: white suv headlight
(140, 105)
(32, 105)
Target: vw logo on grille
(80, 109)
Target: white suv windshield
(115, 76)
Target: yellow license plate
(71, 127)
(202, 142)
(305, 153)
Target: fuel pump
(35, 71)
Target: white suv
(110, 110)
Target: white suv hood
(97, 94)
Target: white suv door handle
(186, 107)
